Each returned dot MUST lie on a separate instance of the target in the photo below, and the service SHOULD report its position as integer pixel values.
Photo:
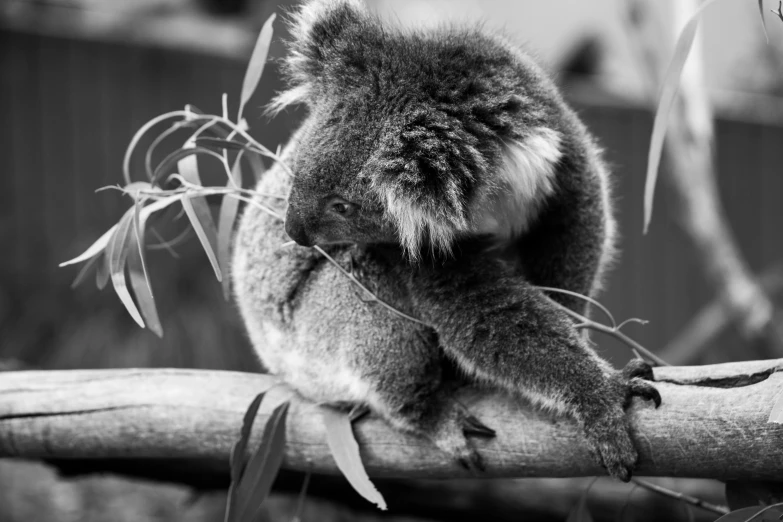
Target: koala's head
(412, 137)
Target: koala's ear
(319, 30)
(426, 175)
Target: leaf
(262, 469)
(157, 141)
(133, 189)
(748, 493)
(96, 248)
(776, 415)
(102, 272)
(82, 275)
(753, 514)
(763, 21)
(165, 166)
(228, 213)
(223, 144)
(118, 253)
(345, 450)
(197, 210)
(139, 278)
(238, 453)
(671, 85)
(256, 65)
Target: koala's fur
(444, 168)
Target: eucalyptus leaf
(345, 450)
(96, 248)
(133, 189)
(261, 471)
(763, 20)
(222, 144)
(197, 210)
(256, 65)
(237, 459)
(166, 166)
(228, 213)
(671, 85)
(118, 254)
(157, 141)
(139, 278)
(85, 270)
(102, 271)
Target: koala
(443, 170)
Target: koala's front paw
(611, 444)
(608, 431)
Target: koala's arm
(502, 330)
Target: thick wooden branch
(713, 423)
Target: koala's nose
(295, 229)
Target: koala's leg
(504, 331)
(412, 396)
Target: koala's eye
(343, 208)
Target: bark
(713, 423)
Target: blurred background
(79, 77)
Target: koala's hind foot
(448, 430)
(447, 424)
(607, 429)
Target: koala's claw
(638, 368)
(449, 434)
(637, 375)
(471, 460)
(473, 426)
(639, 388)
(460, 448)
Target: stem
(364, 288)
(614, 332)
(590, 300)
(693, 501)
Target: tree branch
(713, 423)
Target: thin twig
(613, 332)
(364, 288)
(779, 12)
(688, 499)
(590, 300)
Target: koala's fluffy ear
(319, 30)
(426, 175)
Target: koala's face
(331, 200)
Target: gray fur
(461, 180)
